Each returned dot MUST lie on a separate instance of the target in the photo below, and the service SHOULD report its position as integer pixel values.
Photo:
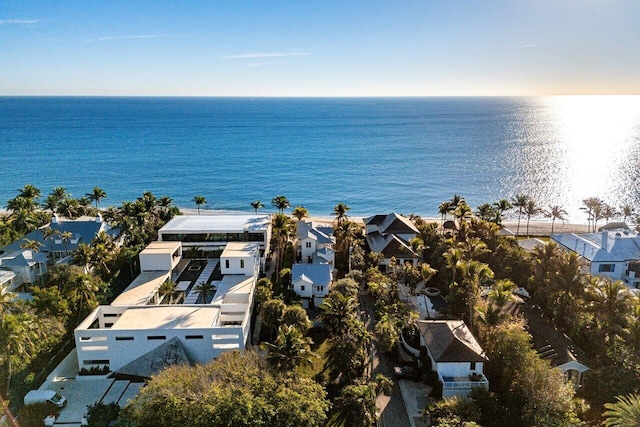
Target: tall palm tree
(47, 234)
(346, 356)
(205, 289)
(624, 412)
(290, 350)
(590, 205)
(256, 204)
(463, 212)
(531, 209)
(281, 232)
(96, 195)
(340, 212)
(83, 256)
(66, 237)
(84, 292)
(608, 212)
(627, 211)
(501, 207)
(555, 212)
(474, 274)
(29, 192)
(519, 202)
(300, 212)
(32, 245)
(453, 257)
(281, 203)
(444, 209)
(199, 200)
(271, 314)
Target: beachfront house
(614, 253)
(148, 327)
(29, 265)
(211, 233)
(391, 236)
(314, 243)
(455, 356)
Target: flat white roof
(139, 291)
(239, 249)
(160, 317)
(161, 248)
(232, 284)
(216, 223)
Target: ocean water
(374, 154)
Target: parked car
(42, 396)
(406, 372)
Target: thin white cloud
(19, 21)
(265, 55)
(527, 46)
(256, 64)
(140, 36)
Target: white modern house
(142, 331)
(311, 282)
(211, 233)
(614, 253)
(391, 236)
(455, 355)
(315, 243)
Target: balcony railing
(464, 382)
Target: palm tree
(625, 412)
(29, 192)
(281, 232)
(336, 309)
(281, 203)
(355, 407)
(199, 200)
(610, 300)
(531, 209)
(627, 211)
(167, 290)
(474, 274)
(346, 356)
(256, 204)
(590, 205)
(462, 212)
(502, 292)
(453, 257)
(96, 195)
(66, 237)
(83, 256)
(205, 289)
(555, 212)
(486, 212)
(340, 212)
(501, 206)
(519, 202)
(290, 350)
(300, 212)
(18, 333)
(47, 234)
(271, 314)
(83, 292)
(608, 212)
(32, 245)
(296, 316)
(444, 209)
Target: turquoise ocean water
(376, 155)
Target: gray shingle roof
(451, 341)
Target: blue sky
(326, 48)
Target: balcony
(475, 379)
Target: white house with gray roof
(311, 282)
(614, 253)
(455, 355)
(315, 243)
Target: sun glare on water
(596, 142)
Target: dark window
(108, 325)
(124, 338)
(226, 263)
(606, 268)
(241, 263)
(110, 315)
(156, 337)
(473, 366)
(194, 337)
(302, 287)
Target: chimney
(605, 240)
(54, 218)
(99, 218)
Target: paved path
(391, 408)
